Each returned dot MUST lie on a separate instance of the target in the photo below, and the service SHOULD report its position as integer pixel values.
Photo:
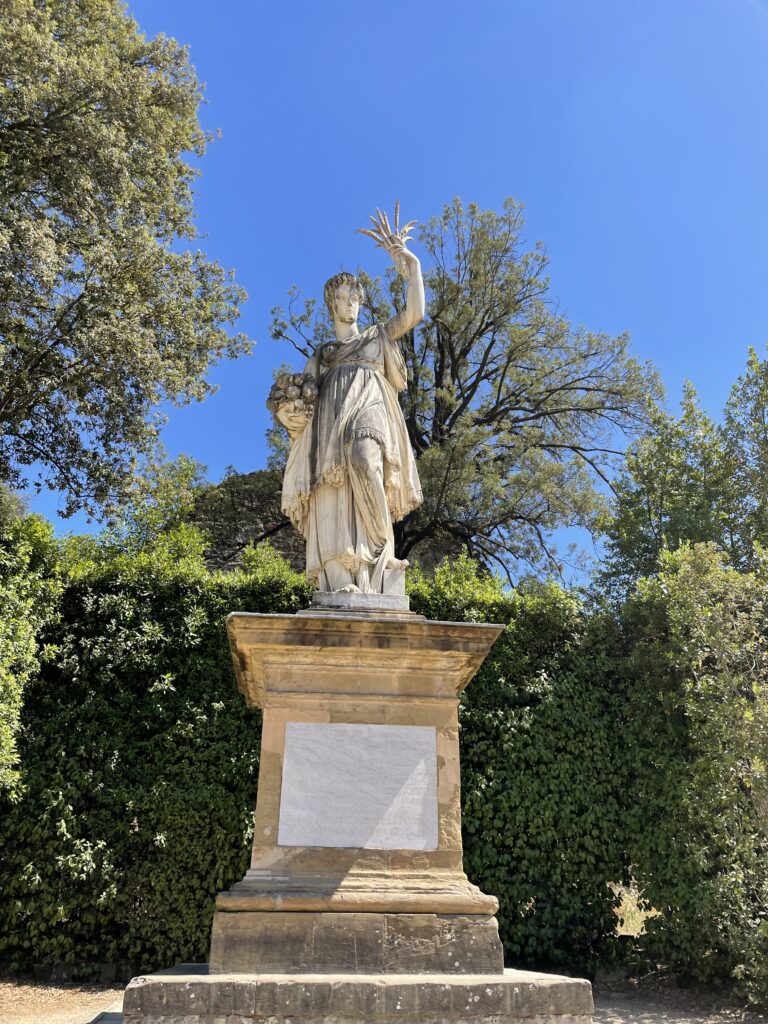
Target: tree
(101, 315)
(689, 479)
(513, 413)
(229, 517)
(674, 487)
(161, 500)
(744, 435)
(243, 510)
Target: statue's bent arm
(312, 369)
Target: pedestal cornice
(353, 655)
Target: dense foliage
(28, 590)
(690, 479)
(697, 735)
(139, 762)
(104, 312)
(685, 566)
(139, 759)
(512, 412)
(542, 767)
(595, 743)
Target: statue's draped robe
(346, 510)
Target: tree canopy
(513, 413)
(104, 312)
(689, 479)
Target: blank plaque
(369, 786)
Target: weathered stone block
(194, 995)
(328, 943)
(505, 998)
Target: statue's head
(343, 294)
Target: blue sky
(635, 133)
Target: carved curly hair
(329, 290)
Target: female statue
(351, 470)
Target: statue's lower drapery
(352, 472)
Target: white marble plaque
(370, 786)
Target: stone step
(190, 995)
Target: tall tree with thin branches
(516, 417)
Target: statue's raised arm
(394, 240)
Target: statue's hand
(294, 422)
(393, 239)
(292, 399)
(403, 258)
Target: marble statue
(351, 471)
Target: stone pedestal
(356, 906)
(190, 995)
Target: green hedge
(139, 763)
(696, 826)
(542, 767)
(29, 585)
(139, 760)
(592, 741)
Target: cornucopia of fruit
(294, 392)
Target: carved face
(346, 304)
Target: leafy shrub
(139, 758)
(28, 589)
(139, 761)
(591, 741)
(697, 729)
(542, 770)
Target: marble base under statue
(356, 906)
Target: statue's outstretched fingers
(371, 234)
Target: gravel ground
(659, 1000)
(38, 1003)
(26, 1003)
(639, 1009)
